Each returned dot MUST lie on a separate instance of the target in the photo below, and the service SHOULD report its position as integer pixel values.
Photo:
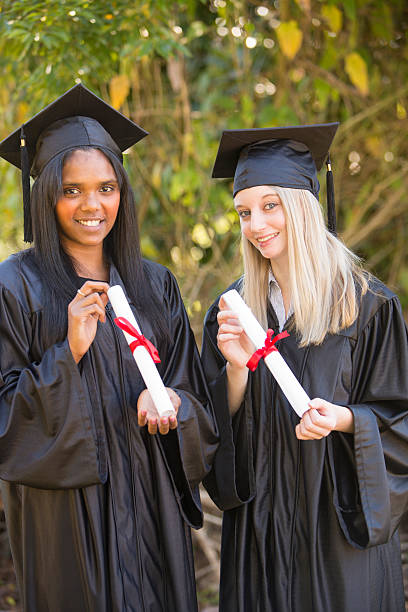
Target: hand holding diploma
(264, 346)
(147, 413)
(156, 405)
(84, 312)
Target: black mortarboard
(77, 118)
(281, 156)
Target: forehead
(252, 194)
(83, 162)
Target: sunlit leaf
(356, 69)
(222, 225)
(200, 236)
(290, 38)
(401, 111)
(119, 89)
(374, 146)
(22, 112)
(333, 16)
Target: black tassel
(331, 207)
(25, 180)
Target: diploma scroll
(294, 392)
(141, 355)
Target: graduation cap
(281, 156)
(77, 118)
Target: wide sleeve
(231, 481)
(370, 503)
(48, 437)
(189, 449)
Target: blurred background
(187, 70)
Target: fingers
(163, 426)
(147, 413)
(313, 426)
(229, 316)
(91, 286)
(142, 418)
(173, 422)
(91, 304)
(151, 422)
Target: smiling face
(263, 221)
(87, 210)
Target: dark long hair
(121, 246)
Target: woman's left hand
(148, 415)
(323, 418)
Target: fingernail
(165, 420)
(172, 419)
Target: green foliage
(187, 70)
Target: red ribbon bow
(267, 348)
(140, 339)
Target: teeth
(90, 223)
(265, 238)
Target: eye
(271, 205)
(71, 191)
(243, 213)
(107, 188)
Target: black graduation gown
(309, 526)
(98, 511)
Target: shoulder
(19, 277)
(378, 301)
(160, 276)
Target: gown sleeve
(231, 481)
(188, 450)
(48, 437)
(371, 501)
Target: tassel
(25, 179)
(331, 207)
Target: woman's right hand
(232, 341)
(84, 312)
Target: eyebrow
(266, 195)
(104, 182)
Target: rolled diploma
(145, 363)
(294, 392)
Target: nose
(257, 221)
(90, 201)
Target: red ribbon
(267, 348)
(140, 339)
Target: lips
(264, 239)
(89, 222)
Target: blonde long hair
(324, 274)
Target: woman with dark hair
(99, 492)
(311, 504)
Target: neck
(90, 262)
(280, 271)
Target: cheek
(281, 221)
(245, 229)
(63, 210)
(114, 209)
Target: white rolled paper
(294, 392)
(144, 361)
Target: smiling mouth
(266, 238)
(89, 222)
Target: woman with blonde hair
(311, 505)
